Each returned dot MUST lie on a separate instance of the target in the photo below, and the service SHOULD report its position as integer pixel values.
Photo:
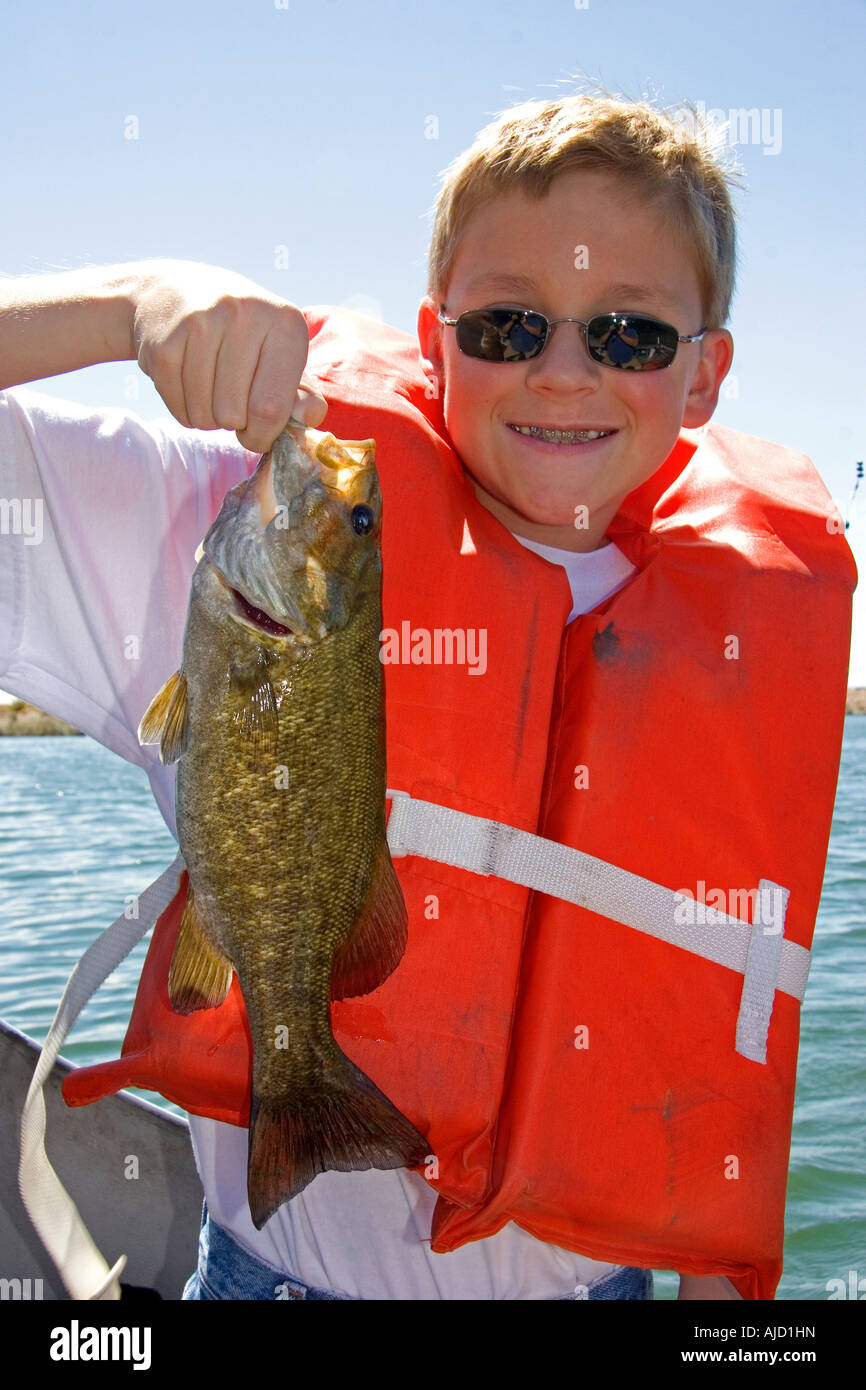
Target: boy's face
(520, 252)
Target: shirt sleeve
(100, 518)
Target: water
(80, 834)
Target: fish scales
(295, 859)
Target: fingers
(278, 389)
(310, 406)
(242, 367)
(163, 362)
(234, 371)
(225, 354)
(207, 335)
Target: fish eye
(363, 519)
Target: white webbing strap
(488, 847)
(760, 976)
(82, 1268)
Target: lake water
(80, 833)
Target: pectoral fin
(378, 939)
(200, 975)
(256, 718)
(165, 719)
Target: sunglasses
(635, 342)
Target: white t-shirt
(593, 574)
(101, 516)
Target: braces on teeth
(560, 436)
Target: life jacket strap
(758, 950)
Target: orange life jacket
(573, 1074)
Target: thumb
(310, 406)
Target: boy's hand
(224, 353)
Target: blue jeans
(227, 1271)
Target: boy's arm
(714, 1287)
(222, 352)
(106, 511)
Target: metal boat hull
(153, 1218)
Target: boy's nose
(565, 360)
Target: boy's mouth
(561, 436)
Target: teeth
(560, 436)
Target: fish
(276, 721)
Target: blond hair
(669, 159)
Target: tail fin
(347, 1125)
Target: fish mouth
(251, 615)
(257, 616)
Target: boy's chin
(526, 517)
(561, 532)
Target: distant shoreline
(25, 720)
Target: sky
(301, 142)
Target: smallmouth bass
(276, 720)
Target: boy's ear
(717, 354)
(430, 333)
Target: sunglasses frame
(550, 324)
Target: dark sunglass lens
(477, 337)
(630, 341)
(526, 336)
(501, 335)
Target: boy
(589, 1115)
